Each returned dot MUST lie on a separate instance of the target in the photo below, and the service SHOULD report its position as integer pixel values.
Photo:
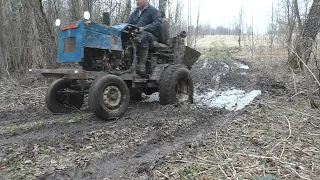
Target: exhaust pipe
(106, 18)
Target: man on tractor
(148, 19)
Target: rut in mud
(38, 144)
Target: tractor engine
(108, 60)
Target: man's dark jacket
(150, 19)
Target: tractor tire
(176, 85)
(62, 103)
(109, 97)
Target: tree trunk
(2, 44)
(240, 25)
(46, 37)
(291, 20)
(75, 9)
(26, 37)
(163, 7)
(87, 5)
(127, 11)
(297, 14)
(197, 28)
(189, 39)
(305, 40)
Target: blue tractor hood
(74, 37)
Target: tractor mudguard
(190, 56)
(157, 73)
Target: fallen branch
(223, 171)
(305, 114)
(162, 174)
(283, 140)
(297, 173)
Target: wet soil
(36, 144)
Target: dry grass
(271, 139)
(276, 137)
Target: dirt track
(37, 144)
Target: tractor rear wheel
(109, 97)
(59, 102)
(176, 85)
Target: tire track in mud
(142, 158)
(79, 146)
(170, 129)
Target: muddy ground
(165, 142)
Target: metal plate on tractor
(69, 44)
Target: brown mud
(36, 144)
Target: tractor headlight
(58, 22)
(86, 15)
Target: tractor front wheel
(109, 97)
(59, 102)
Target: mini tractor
(108, 60)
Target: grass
(192, 171)
(275, 138)
(219, 50)
(26, 127)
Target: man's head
(141, 3)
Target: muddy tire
(176, 85)
(109, 97)
(62, 103)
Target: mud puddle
(213, 94)
(39, 145)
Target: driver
(148, 19)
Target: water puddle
(204, 64)
(151, 98)
(233, 99)
(241, 66)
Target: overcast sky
(224, 12)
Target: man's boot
(142, 57)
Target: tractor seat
(163, 32)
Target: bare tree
(127, 10)
(163, 4)
(272, 29)
(175, 17)
(189, 25)
(291, 21)
(2, 45)
(297, 14)
(75, 9)
(88, 5)
(306, 39)
(46, 37)
(26, 35)
(240, 25)
(197, 28)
